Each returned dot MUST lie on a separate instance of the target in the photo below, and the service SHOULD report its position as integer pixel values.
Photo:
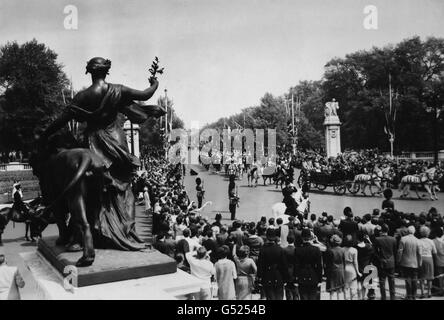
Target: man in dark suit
(291, 290)
(272, 269)
(348, 226)
(308, 267)
(386, 249)
(211, 245)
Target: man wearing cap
(272, 269)
(308, 267)
(202, 268)
(10, 281)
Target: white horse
(426, 179)
(364, 179)
(279, 208)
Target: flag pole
(166, 121)
(292, 124)
(391, 135)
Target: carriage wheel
(321, 187)
(311, 184)
(353, 189)
(339, 188)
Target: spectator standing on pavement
(352, 273)
(202, 268)
(246, 273)
(385, 251)
(348, 226)
(335, 267)
(272, 267)
(409, 259)
(225, 275)
(439, 260)
(291, 290)
(428, 253)
(308, 267)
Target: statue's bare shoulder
(90, 97)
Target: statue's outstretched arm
(140, 95)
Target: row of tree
(397, 89)
(34, 90)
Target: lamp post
(434, 111)
(433, 104)
(391, 140)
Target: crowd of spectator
(294, 256)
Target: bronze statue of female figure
(111, 221)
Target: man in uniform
(233, 198)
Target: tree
(31, 83)
(360, 82)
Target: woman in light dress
(426, 271)
(246, 273)
(438, 239)
(351, 273)
(225, 275)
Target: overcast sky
(219, 56)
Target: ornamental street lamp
(435, 113)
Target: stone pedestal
(332, 136)
(109, 265)
(49, 285)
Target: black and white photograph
(233, 151)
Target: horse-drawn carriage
(338, 179)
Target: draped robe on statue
(114, 226)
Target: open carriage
(338, 179)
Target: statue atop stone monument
(331, 108)
(332, 129)
(89, 183)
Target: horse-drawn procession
(343, 180)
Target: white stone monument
(50, 285)
(332, 129)
(132, 137)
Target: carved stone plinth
(109, 265)
(332, 136)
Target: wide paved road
(257, 202)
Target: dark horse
(31, 217)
